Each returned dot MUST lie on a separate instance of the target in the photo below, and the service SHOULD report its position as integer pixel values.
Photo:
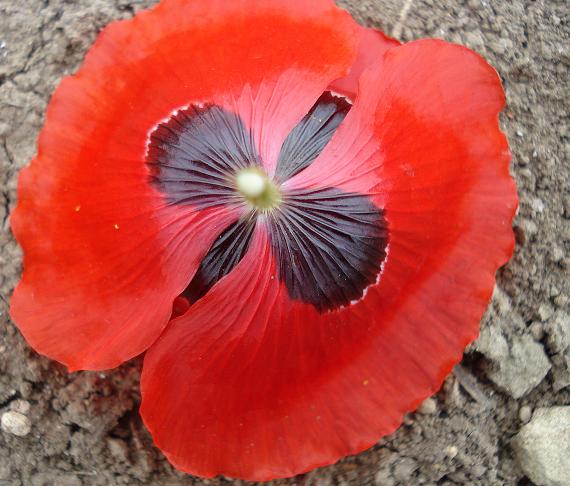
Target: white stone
(537, 205)
(16, 423)
(545, 312)
(428, 406)
(451, 451)
(525, 414)
(557, 254)
(542, 447)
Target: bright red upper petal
(104, 253)
(268, 387)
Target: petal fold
(373, 44)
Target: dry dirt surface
(500, 418)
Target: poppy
(298, 219)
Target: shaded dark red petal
(269, 387)
(105, 253)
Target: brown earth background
(84, 428)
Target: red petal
(373, 45)
(266, 387)
(105, 256)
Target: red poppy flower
(329, 257)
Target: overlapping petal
(266, 385)
(373, 44)
(105, 252)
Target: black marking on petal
(307, 140)
(226, 252)
(195, 154)
(329, 245)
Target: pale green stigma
(257, 189)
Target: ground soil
(85, 428)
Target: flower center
(257, 189)
(328, 244)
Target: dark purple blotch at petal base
(195, 155)
(329, 245)
(307, 140)
(226, 252)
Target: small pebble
(26, 389)
(545, 312)
(561, 300)
(15, 423)
(20, 406)
(451, 451)
(384, 478)
(428, 407)
(525, 413)
(404, 469)
(537, 205)
(557, 254)
(452, 394)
